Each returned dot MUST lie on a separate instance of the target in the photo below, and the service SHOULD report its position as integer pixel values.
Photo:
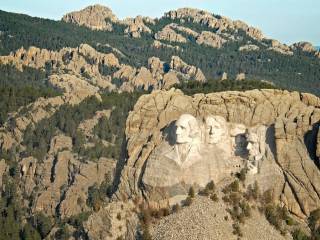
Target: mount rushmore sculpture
(197, 151)
(273, 134)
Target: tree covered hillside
(300, 71)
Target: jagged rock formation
(95, 17)
(169, 34)
(158, 44)
(224, 30)
(189, 71)
(210, 39)
(75, 90)
(219, 23)
(306, 47)
(280, 48)
(98, 17)
(86, 62)
(136, 26)
(65, 180)
(60, 184)
(207, 38)
(83, 60)
(157, 75)
(294, 115)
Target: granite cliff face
(292, 120)
(96, 17)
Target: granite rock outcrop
(288, 116)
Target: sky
(288, 21)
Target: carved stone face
(215, 129)
(256, 138)
(185, 125)
(253, 145)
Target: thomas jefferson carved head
(256, 138)
(187, 129)
(216, 129)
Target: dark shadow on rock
(241, 146)
(168, 133)
(310, 140)
(271, 140)
(119, 166)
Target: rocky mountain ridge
(220, 29)
(91, 161)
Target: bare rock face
(180, 66)
(169, 34)
(136, 26)
(280, 48)
(83, 60)
(207, 38)
(144, 79)
(95, 17)
(75, 89)
(157, 74)
(282, 150)
(210, 39)
(64, 179)
(221, 23)
(87, 126)
(115, 221)
(98, 17)
(133, 78)
(158, 44)
(249, 47)
(183, 29)
(91, 173)
(170, 79)
(304, 46)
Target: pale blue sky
(285, 20)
